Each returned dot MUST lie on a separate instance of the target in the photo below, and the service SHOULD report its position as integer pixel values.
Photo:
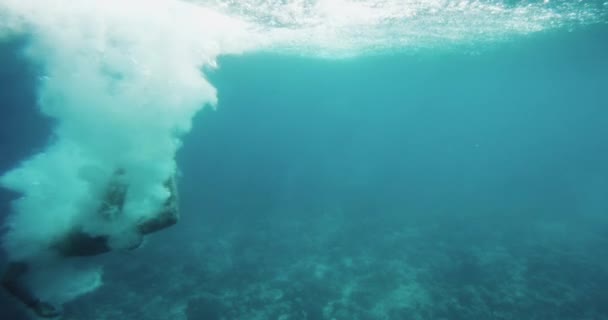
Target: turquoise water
(431, 186)
(467, 180)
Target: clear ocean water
(458, 179)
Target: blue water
(427, 185)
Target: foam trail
(123, 80)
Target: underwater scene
(304, 159)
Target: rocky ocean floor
(324, 267)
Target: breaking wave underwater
(123, 81)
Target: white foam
(123, 80)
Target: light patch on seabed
(123, 80)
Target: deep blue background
(519, 127)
